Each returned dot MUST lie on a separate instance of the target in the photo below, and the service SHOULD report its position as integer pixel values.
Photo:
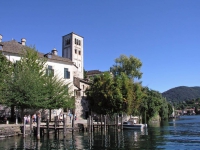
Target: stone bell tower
(72, 48)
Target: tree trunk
(22, 114)
(12, 113)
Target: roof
(93, 72)
(15, 47)
(73, 33)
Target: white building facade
(69, 67)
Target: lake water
(182, 133)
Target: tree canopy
(117, 93)
(5, 74)
(30, 88)
(128, 65)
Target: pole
(16, 114)
(122, 121)
(105, 122)
(38, 126)
(31, 125)
(101, 121)
(92, 124)
(64, 124)
(89, 127)
(117, 120)
(47, 127)
(24, 129)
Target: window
(77, 42)
(66, 73)
(77, 93)
(75, 51)
(50, 71)
(79, 52)
(67, 42)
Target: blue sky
(163, 34)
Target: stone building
(69, 67)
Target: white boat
(132, 124)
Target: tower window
(75, 51)
(77, 42)
(79, 52)
(67, 42)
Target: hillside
(182, 93)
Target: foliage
(170, 109)
(30, 88)
(5, 75)
(181, 93)
(27, 83)
(128, 65)
(155, 104)
(104, 95)
(58, 93)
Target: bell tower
(72, 48)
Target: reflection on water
(181, 133)
(113, 139)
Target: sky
(163, 34)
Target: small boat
(132, 124)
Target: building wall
(72, 48)
(73, 51)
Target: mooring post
(122, 121)
(72, 122)
(24, 129)
(55, 122)
(92, 125)
(105, 122)
(64, 124)
(115, 123)
(117, 120)
(47, 124)
(38, 127)
(101, 121)
(31, 125)
(89, 124)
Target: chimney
(23, 41)
(1, 37)
(54, 52)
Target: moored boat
(132, 124)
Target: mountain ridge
(182, 93)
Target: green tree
(128, 65)
(31, 88)
(5, 75)
(58, 94)
(170, 109)
(26, 87)
(104, 95)
(153, 102)
(164, 110)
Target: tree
(26, 87)
(104, 95)
(128, 65)
(58, 94)
(153, 101)
(31, 88)
(5, 75)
